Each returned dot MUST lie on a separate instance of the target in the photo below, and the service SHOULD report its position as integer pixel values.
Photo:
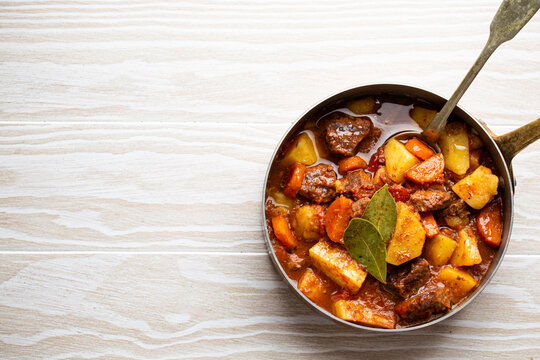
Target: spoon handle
(433, 130)
(507, 22)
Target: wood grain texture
(134, 140)
(142, 306)
(250, 61)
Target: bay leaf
(365, 244)
(382, 212)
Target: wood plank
(156, 187)
(250, 61)
(229, 305)
(187, 187)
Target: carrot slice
(296, 176)
(283, 232)
(439, 179)
(419, 149)
(430, 224)
(427, 171)
(489, 223)
(337, 218)
(350, 164)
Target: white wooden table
(134, 140)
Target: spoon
(507, 22)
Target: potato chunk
(357, 311)
(398, 160)
(460, 282)
(365, 105)
(439, 250)
(478, 188)
(466, 253)
(280, 199)
(422, 116)
(454, 143)
(408, 238)
(302, 151)
(310, 222)
(311, 285)
(336, 263)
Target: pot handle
(513, 142)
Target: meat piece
(456, 215)
(319, 183)
(431, 300)
(358, 183)
(344, 133)
(430, 200)
(409, 278)
(451, 178)
(457, 207)
(359, 206)
(370, 141)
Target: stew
(449, 211)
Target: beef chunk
(358, 183)
(451, 178)
(430, 200)
(456, 215)
(406, 280)
(431, 300)
(344, 133)
(359, 206)
(457, 207)
(319, 183)
(370, 141)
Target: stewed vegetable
(384, 234)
